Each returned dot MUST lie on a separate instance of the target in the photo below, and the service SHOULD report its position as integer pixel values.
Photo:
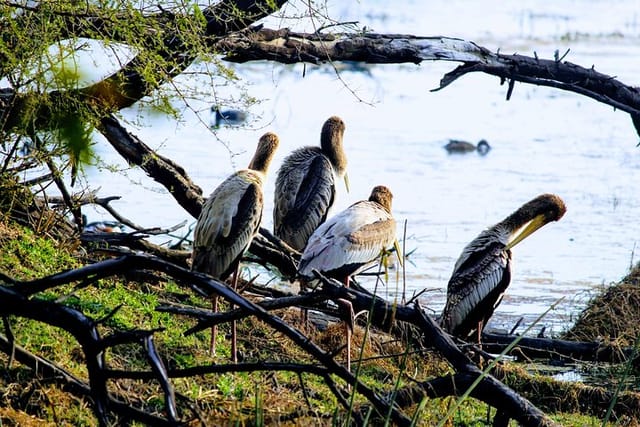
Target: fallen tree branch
(290, 47)
(43, 367)
(204, 286)
(538, 348)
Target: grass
(260, 398)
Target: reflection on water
(543, 140)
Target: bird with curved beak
(305, 186)
(229, 220)
(350, 242)
(483, 271)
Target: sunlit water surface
(543, 140)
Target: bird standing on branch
(350, 242)
(483, 271)
(229, 220)
(305, 186)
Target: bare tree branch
(288, 47)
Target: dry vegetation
(613, 316)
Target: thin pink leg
(349, 326)
(234, 341)
(214, 328)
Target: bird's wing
(305, 191)
(353, 237)
(476, 288)
(229, 219)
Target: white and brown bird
(229, 220)
(483, 271)
(306, 185)
(350, 242)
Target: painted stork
(350, 242)
(229, 220)
(483, 270)
(305, 186)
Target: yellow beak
(346, 181)
(526, 230)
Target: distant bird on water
(227, 117)
(349, 242)
(483, 271)
(458, 146)
(229, 220)
(306, 185)
(101, 226)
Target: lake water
(544, 140)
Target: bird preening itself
(350, 242)
(229, 220)
(306, 185)
(458, 146)
(483, 271)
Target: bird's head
(331, 143)
(264, 153)
(533, 215)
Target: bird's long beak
(399, 252)
(346, 181)
(526, 230)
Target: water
(543, 140)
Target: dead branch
(199, 283)
(547, 348)
(381, 313)
(162, 170)
(290, 47)
(70, 383)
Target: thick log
(547, 348)
(163, 170)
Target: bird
(458, 146)
(482, 273)
(227, 117)
(229, 220)
(102, 226)
(350, 242)
(306, 185)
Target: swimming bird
(349, 242)
(458, 146)
(229, 220)
(103, 227)
(227, 117)
(483, 271)
(305, 186)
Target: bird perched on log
(350, 242)
(458, 146)
(227, 117)
(229, 220)
(483, 271)
(305, 186)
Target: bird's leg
(214, 328)
(348, 325)
(480, 360)
(234, 341)
(304, 314)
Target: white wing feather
(333, 245)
